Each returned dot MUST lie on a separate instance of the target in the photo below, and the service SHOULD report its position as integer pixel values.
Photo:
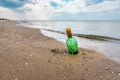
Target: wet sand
(26, 54)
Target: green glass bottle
(71, 42)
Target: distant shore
(3, 19)
(26, 54)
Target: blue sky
(60, 9)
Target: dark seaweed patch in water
(95, 37)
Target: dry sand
(26, 54)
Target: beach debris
(56, 50)
(26, 63)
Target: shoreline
(87, 36)
(26, 54)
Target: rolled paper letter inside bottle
(71, 42)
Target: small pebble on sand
(107, 68)
(30, 55)
(112, 72)
(16, 79)
(26, 63)
(119, 74)
(36, 46)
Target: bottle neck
(69, 33)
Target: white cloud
(40, 11)
(8, 13)
(104, 6)
(43, 10)
(80, 6)
(36, 12)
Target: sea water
(103, 28)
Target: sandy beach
(26, 54)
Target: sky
(60, 9)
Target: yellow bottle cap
(68, 31)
